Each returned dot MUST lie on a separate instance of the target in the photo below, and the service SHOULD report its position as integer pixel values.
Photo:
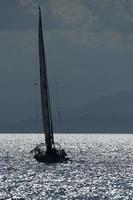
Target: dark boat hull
(54, 156)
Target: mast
(45, 99)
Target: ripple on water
(101, 168)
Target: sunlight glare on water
(101, 168)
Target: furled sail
(45, 99)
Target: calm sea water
(102, 168)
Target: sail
(45, 99)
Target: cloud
(104, 3)
(93, 23)
(32, 5)
(93, 39)
(70, 12)
(28, 2)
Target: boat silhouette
(48, 152)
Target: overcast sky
(89, 52)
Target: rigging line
(56, 96)
(59, 110)
(36, 115)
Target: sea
(101, 167)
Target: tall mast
(45, 99)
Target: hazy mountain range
(113, 113)
(120, 103)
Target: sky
(89, 53)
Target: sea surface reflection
(101, 168)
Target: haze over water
(101, 168)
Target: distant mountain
(106, 114)
(25, 126)
(99, 123)
(93, 123)
(120, 103)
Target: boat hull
(53, 156)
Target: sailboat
(52, 153)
